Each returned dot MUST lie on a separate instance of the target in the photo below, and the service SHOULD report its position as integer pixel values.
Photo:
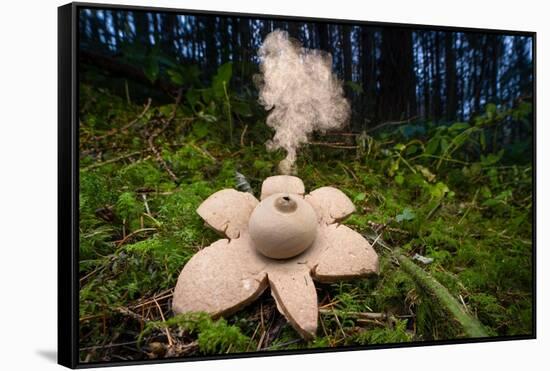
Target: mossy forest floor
(449, 193)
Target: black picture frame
(68, 185)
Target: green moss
(144, 174)
(385, 335)
(138, 228)
(213, 336)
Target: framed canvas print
(236, 185)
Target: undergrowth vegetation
(449, 192)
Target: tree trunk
(225, 39)
(450, 77)
(426, 77)
(156, 34)
(246, 51)
(437, 109)
(460, 80)
(479, 66)
(168, 32)
(397, 97)
(346, 44)
(120, 32)
(495, 60)
(322, 33)
(368, 73)
(235, 52)
(142, 28)
(308, 39)
(280, 25)
(294, 30)
(211, 44)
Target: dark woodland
(437, 158)
(390, 74)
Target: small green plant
(385, 335)
(444, 191)
(213, 336)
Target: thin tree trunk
(246, 51)
(235, 52)
(294, 30)
(225, 39)
(368, 74)
(495, 56)
(322, 33)
(471, 326)
(211, 44)
(450, 77)
(461, 73)
(426, 76)
(156, 34)
(346, 44)
(120, 33)
(168, 32)
(437, 79)
(142, 28)
(397, 97)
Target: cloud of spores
(299, 89)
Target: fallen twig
(282, 344)
(96, 347)
(166, 329)
(363, 315)
(110, 161)
(337, 145)
(204, 152)
(242, 135)
(161, 296)
(176, 104)
(134, 315)
(471, 326)
(128, 236)
(159, 158)
(128, 125)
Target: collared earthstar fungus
(286, 241)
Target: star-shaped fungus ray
(229, 274)
(220, 279)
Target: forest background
(437, 157)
